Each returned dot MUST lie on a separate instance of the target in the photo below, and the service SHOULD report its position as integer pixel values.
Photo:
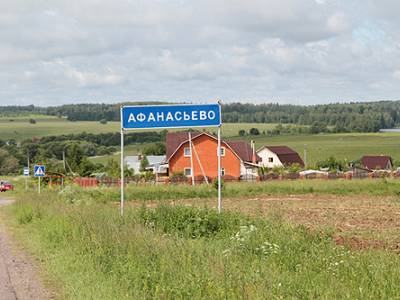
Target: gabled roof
(279, 149)
(243, 150)
(376, 162)
(176, 139)
(286, 155)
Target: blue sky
(287, 51)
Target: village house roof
(376, 162)
(175, 140)
(243, 150)
(286, 155)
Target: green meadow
(19, 128)
(347, 146)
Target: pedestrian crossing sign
(39, 171)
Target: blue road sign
(171, 116)
(26, 171)
(39, 171)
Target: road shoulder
(20, 275)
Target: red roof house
(379, 162)
(279, 156)
(237, 159)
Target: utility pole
(305, 155)
(65, 169)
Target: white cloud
(305, 51)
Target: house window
(188, 172)
(222, 171)
(270, 159)
(222, 151)
(186, 152)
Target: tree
(112, 169)
(8, 163)
(332, 164)
(242, 132)
(32, 121)
(103, 121)
(144, 163)
(254, 131)
(155, 149)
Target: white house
(155, 162)
(279, 156)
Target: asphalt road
(18, 279)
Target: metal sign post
(170, 116)
(26, 175)
(122, 167)
(219, 170)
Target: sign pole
(191, 157)
(219, 170)
(122, 167)
(39, 185)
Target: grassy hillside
(350, 146)
(20, 128)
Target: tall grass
(188, 253)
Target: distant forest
(346, 117)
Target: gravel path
(18, 279)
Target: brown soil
(361, 222)
(18, 276)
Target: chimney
(254, 152)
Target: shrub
(178, 177)
(254, 131)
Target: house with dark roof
(377, 162)
(196, 155)
(279, 156)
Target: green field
(174, 251)
(349, 146)
(20, 128)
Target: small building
(279, 156)
(377, 162)
(155, 162)
(238, 158)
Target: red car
(5, 186)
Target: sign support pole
(39, 185)
(122, 172)
(219, 170)
(191, 157)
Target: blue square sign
(39, 171)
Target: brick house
(238, 159)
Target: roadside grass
(151, 192)
(189, 253)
